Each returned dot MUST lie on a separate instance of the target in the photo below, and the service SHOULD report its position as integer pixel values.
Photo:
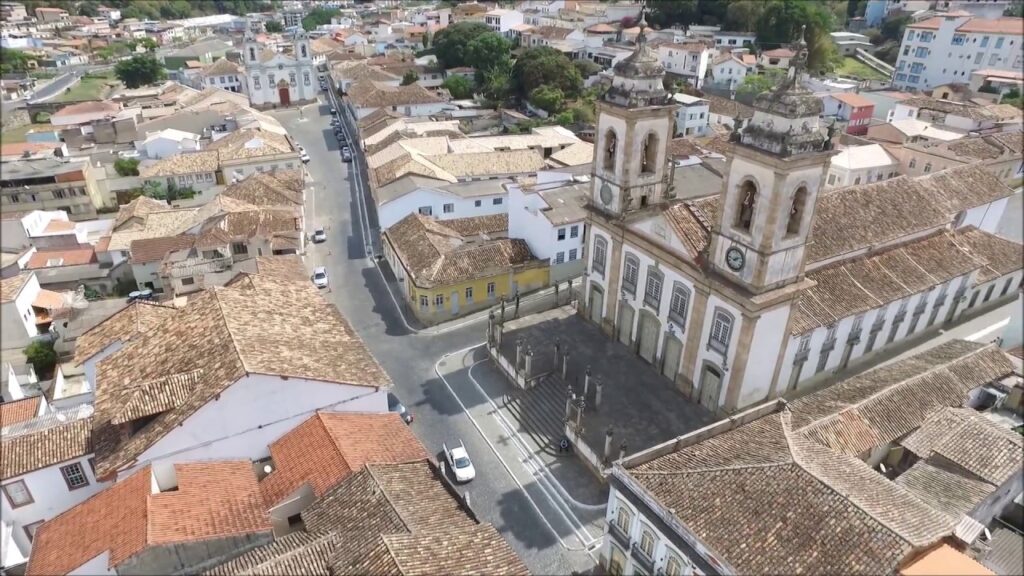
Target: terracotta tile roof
(157, 396)
(854, 286)
(11, 287)
(93, 107)
(1013, 141)
(147, 250)
(970, 111)
(19, 148)
(687, 222)
(852, 100)
(752, 493)
(273, 327)
(975, 148)
(138, 208)
(435, 253)
(185, 163)
(113, 520)
(284, 267)
(137, 318)
(1000, 255)
(359, 71)
(250, 143)
(54, 444)
(19, 410)
(945, 491)
(971, 441)
(475, 164)
(886, 403)
(933, 23)
(779, 53)
(213, 499)
(727, 107)
(222, 67)
(328, 447)
(386, 519)
(1004, 25)
(370, 94)
(278, 188)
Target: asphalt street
(337, 201)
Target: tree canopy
(542, 66)
(547, 98)
(318, 17)
(13, 61)
(139, 70)
(410, 77)
(127, 166)
(486, 52)
(459, 87)
(274, 27)
(450, 43)
(756, 83)
(148, 43)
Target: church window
(252, 54)
(927, 167)
(291, 78)
(305, 78)
(256, 82)
(913, 162)
(270, 80)
(649, 156)
(611, 141)
(652, 291)
(856, 180)
(303, 50)
(630, 274)
(600, 249)
(677, 306)
(721, 330)
(796, 211)
(745, 210)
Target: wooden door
(710, 383)
(670, 357)
(625, 322)
(647, 334)
(596, 304)
(283, 95)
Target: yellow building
(450, 268)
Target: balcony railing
(618, 534)
(801, 355)
(828, 345)
(854, 337)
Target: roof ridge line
(369, 469)
(318, 538)
(861, 286)
(223, 318)
(713, 469)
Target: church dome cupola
(638, 79)
(786, 119)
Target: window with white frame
(17, 493)
(647, 542)
(674, 565)
(652, 290)
(424, 302)
(721, 330)
(74, 476)
(490, 289)
(469, 294)
(624, 519)
(449, 208)
(600, 249)
(630, 274)
(572, 254)
(679, 303)
(574, 232)
(439, 300)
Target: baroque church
(774, 283)
(276, 79)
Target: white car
(304, 158)
(319, 235)
(459, 462)
(320, 277)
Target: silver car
(320, 277)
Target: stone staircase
(541, 412)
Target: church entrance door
(670, 357)
(283, 95)
(710, 383)
(647, 334)
(596, 304)
(625, 323)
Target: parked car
(320, 277)
(319, 235)
(394, 405)
(345, 148)
(304, 158)
(459, 462)
(346, 155)
(333, 111)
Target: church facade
(276, 79)
(773, 283)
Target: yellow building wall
(526, 280)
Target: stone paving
(642, 406)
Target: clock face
(735, 259)
(606, 194)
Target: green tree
(126, 166)
(892, 29)
(427, 37)
(42, 356)
(155, 190)
(459, 87)
(547, 98)
(13, 61)
(274, 27)
(545, 66)
(497, 85)
(318, 17)
(450, 43)
(410, 77)
(781, 22)
(148, 44)
(586, 68)
(88, 8)
(888, 53)
(744, 14)
(486, 52)
(754, 84)
(139, 70)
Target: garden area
(16, 135)
(91, 87)
(853, 68)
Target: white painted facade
(729, 71)
(441, 204)
(693, 116)
(861, 165)
(687, 60)
(930, 58)
(168, 143)
(18, 318)
(724, 39)
(501, 21)
(562, 244)
(409, 110)
(282, 80)
(249, 415)
(625, 518)
(902, 111)
(231, 82)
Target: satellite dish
(268, 468)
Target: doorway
(283, 94)
(670, 357)
(455, 303)
(625, 323)
(710, 384)
(596, 303)
(647, 336)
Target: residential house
(248, 151)
(855, 165)
(853, 110)
(380, 518)
(950, 46)
(223, 73)
(690, 60)
(823, 451)
(28, 310)
(550, 217)
(729, 40)
(347, 73)
(52, 15)
(911, 130)
(184, 518)
(366, 96)
(728, 113)
(241, 361)
(197, 170)
(997, 81)
(848, 43)
(13, 12)
(455, 267)
(693, 116)
(84, 113)
(964, 117)
(205, 52)
(503, 21)
(32, 150)
(775, 59)
(998, 153)
(168, 142)
(46, 470)
(50, 184)
(729, 69)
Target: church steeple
(777, 168)
(636, 119)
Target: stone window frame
(722, 323)
(653, 287)
(677, 313)
(739, 203)
(600, 255)
(630, 273)
(613, 158)
(10, 500)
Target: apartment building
(49, 184)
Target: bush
(127, 166)
(43, 357)
(547, 98)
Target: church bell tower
(771, 189)
(636, 120)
